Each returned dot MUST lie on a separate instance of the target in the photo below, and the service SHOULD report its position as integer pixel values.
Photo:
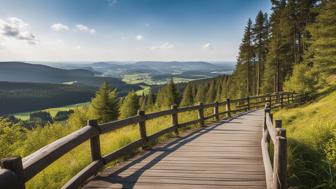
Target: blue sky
(98, 30)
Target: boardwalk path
(226, 155)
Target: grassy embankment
(311, 131)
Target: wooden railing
(276, 177)
(16, 172)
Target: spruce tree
(167, 96)
(129, 106)
(323, 44)
(201, 93)
(104, 106)
(211, 93)
(260, 32)
(187, 97)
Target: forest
(292, 49)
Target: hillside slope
(37, 73)
(311, 131)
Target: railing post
(248, 103)
(15, 165)
(142, 125)
(266, 110)
(216, 112)
(281, 100)
(280, 157)
(94, 141)
(280, 163)
(293, 96)
(228, 107)
(174, 118)
(201, 114)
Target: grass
(311, 131)
(52, 111)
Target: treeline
(292, 49)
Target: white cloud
(139, 37)
(59, 27)
(84, 28)
(206, 46)
(164, 46)
(17, 28)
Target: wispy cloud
(112, 3)
(139, 37)
(164, 46)
(59, 27)
(17, 28)
(206, 46)
(84, 28)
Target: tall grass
(311, 131)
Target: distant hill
(37, 73)
(23, 97)
(19, 71)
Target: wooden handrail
(276, 177)
(42, 158)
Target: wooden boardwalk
(225, 155)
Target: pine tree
(260, 32)
(129, 106)
(201, 93)
(323, 44)
(211, 93)
(187, 97)
(167, 96)
(104, 107)
(150, 101)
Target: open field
(52, 111)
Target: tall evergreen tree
(201, 93)
(260, 32)
(104, 107)
(187, 97)
(211, 93)
(323, 44)
(167, 96)
(129, 106)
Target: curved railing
(16, 172)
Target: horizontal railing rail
(15, 172)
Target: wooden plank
(159, 114)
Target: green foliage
(311, 138)
(301, 81)
(187, 97)
(211, 93)
(40, 118)
(11, 137)
(167, 96)
(63, 115)
(322, 52)
(104, 107)
(129, 106)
